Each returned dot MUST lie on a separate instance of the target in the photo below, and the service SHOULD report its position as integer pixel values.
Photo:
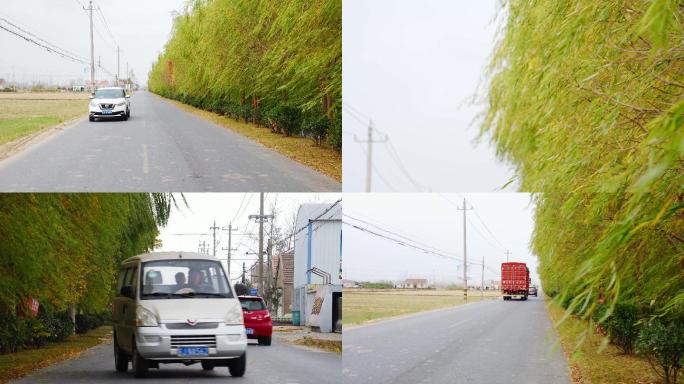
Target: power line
(399, 235)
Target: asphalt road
(488, 342)
(276, 364)
(161, 148)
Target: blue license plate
(107, 112)
(249, 331)
(193, 351)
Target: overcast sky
(413, 67)
(141, 28)
(434, 219)
(188, 226)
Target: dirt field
(24, 113)
(362, 305)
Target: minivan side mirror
(127, 291)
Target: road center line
(146, 162)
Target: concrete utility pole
(369, 157)
(508, 253)
(118, 68)
(482, 286)
(465, 252)
(261, 218)
(92, 46)
(213, 229)
(230, 230)
(244, 272)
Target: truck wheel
(120, 357)
(207, 365)
(237, 367)
(138, 364)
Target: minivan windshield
(183, 279)
(110, 94)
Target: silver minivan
(177, 307)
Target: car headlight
(121, 104)
(234, 317)
(145, 318)
(93, 104)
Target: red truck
(515, 281)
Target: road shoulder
(327, 161)
(19, 145)
(19, 364)
(582, 345)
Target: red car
(258, 323)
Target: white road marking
(146, 161)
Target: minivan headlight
(145, 318)
(234, 317)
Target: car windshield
(252, 304)
(110, 94)
(183, 279)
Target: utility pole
(118, 68)
(230, 230)
(92, 46)
(261, 218)
(244, 271)
(369, 153)
(508, 253)
(269, 280)
(213, 229)
(465, 252)
(482, 286)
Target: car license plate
(249, 331)
(193, 351)
(107, 112)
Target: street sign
(253, 292)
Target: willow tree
(587, 102)
(249, 58)
(64, 249)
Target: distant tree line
(63, 250)
(273, 63)
(587, 102)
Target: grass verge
(323, 159)
(20, 117)
(19, 364)
(587, 364)
(363, 305)
(327, 345)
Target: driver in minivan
(196, 281)
(180, 280)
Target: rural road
(277, 364)
(491, 342)
(161, 148)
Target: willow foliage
(587, 101)
(253, 59)
(65, 249)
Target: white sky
(188, 227)
(141, 28)
(414, 67)
(434, 219)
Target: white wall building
(317, 279)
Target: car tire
(120, 357)
(207, 365)
(237, 367)
(91, 119)
(138, 364)
(266, 340)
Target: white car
(177, 307)
(110, 102)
